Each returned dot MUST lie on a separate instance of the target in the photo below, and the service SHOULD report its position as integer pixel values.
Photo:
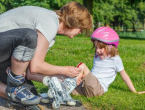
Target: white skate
(57, 91)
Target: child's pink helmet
(106, 35)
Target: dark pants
(19, 43)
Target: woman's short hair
(75, 15)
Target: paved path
(3, 106)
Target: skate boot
(57, 92)
(16, 92)
(70, 84)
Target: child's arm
(128, 82)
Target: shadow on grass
(119, 88)
(43, 90)
(134, 38)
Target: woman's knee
(30, 38)
(26, 48)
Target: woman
(29, 49)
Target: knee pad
(23, 53)
(14, 81)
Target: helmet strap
(110, 46)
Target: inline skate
(59, 92)
(18, 95)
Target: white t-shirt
(44, 20)
(106, 70)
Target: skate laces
(68, 83)
(23, 92)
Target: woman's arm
(38, 65)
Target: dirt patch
(3, 106)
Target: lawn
(79, 49)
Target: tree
(40, 3)
(141, 12)
(4, 6)
(103, 12)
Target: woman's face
(72, 32)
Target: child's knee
(84, 68)
(81, 65)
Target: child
(106, 64)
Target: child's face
(101, 52)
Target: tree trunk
(89, 5)
(133, 27)
(114, 25)
(126, 28)
(144, 24)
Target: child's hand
(141, 92)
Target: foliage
(4, 4)
(18, 3)
(115, 13)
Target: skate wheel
(51, 93)
(71, 103)
(55, 105)
(46, 80)
(10, 106)
(35, 107)
(40, 107)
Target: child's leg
(69, 83)
(90, 86)
(84, 72)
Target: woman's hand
(71, 71)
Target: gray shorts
(90, 87)
(19, 43)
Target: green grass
(79, 49)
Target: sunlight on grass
(79, 49)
